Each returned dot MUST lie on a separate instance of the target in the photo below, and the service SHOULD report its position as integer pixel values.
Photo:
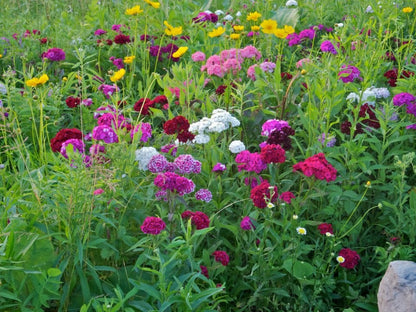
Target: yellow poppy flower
(407, 10)
(134, 10)
(129, 59)
(156, 5)
(181, 51)
(254, 16)
(238, 28)
(34, 82)
(216, 32)
(255, 28)
(268, 26)
(172, 31)
(235, 36)
(118, 75)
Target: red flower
(122, 39)
(273, 153)
(287, 197)
(325, 228)
(185, 136)
(221, 256)
(317, 166)
(72, 102)
(152, 225)
(204, 271)
(351, 258)
(198, 218)
(176, 125)
(142, 106)
(64, 135)
(261, 191)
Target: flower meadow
(205, 155)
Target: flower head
(253, 16)
(268, 26)
(34, 82)
(118, 75)
(172, 31)
(221, 256)
(407, 10)
(181, 51)
(154, 4)
(216, 32)
(54, 54)
(134, 10)
(325, 228)
(301, 230)
(204, 195)
(236, 147)
(153, 225)
(246, 224)
(129, 59)
(348, 258)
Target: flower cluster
(222, 257)
(278, 133)
(348, 258)
(77, 145)
(174, 183)
(179, 125)
(198, 218)
(349, 73)
(64, 135)
(54, 55)
(251, 162)
(204, 195)
(327, 46)
(272, 153)
(263, 194)
(152, 225)
(317, 166)
(246, 224)
(325, 228)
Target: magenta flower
(349, 73)
(54, 54)
(204, 195)
(153, 225)
(221, 256)
(219, 167)
(246, 224)
(198, 56)
(77, 145)
(104, 133)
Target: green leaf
(54, 272)
(299, 269)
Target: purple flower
(412, 126)
(86, 102)
(54, 54)
(246, 224)
(307, 34)
(104, 133)
(108, 90)
(330, 141)
(145, 129)
(204, 195)
(411, 109)
(187, 164)
(99, 32)
(157, 163)
(117, 62)
(219, 167)
(272, 125)
(153, 225)
(77, 145)
(169, 148)
(198, 56)
(403, 98)
(327, 46)
(349, 73)
(268, 67)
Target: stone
(397, 290)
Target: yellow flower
(78, 77)
(129, 59)
(34, 82)
(289, 29)
(235, 36)
(268, 26)
(340, 259)
(407, 10)
(1, 55)
(254, 16)
(238, 28)
(181, 51)
(217, 32)
(280, 33)
(134, 10)
(64, 79)
(118, 75)
(255, 28)
(172, 31)
(156, 5)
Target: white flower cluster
(236, 147)
(291, 3)
(220, 120)
(143, 156)
(369, 95)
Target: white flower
(219, 12)
(228, 18)
(301, 230)
(295, 217)
(209, 12)
(201, 139)
(238, 14)
(368, 97)
(340, 259)
(217, 127)
(291, 3)
(369, 9)
(143, 156)
(270, 205)
(236, 147)
(3, 89)
(339, 25)
(381, 93)
(353, 97)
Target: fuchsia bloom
(204, 270)
(54, 55)
(187, 164)
(174, 183)
(198, 218)
(198, 56)
(144, 129)
(349, 73)
(250, 162)
(221, 256)
(219, 167)
(204, 195)
(272, 153)
(403, 98)
(287, 197)
(153, 225)
(157, 163)
(77, 145)
(246, 224)
(327, 46)
(262, 191)
(98, 191)
(317, 166)
(104, 133)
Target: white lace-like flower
(291, 3)
(143, 156)
(201, 139)
(236, 147)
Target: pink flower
(221, 256)
(198, 218)
(350, 258)
(198, 56)
(246, 224)
(152, 225)
(287, 197)
(98, 191)
(204, 195)
(259, 194)
(317, 166)
(325, 228)
(219, 167)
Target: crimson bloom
(325, 228)
(153, 225)
(262, 191)
(221, 256)
(64, 135)
(348, 258)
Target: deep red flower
(72, 102)
(142, 106)
(221, 89)
(262, 191)
(273, 153)
(351, 258)
(318, 167)
(198, 218)
(325, 228)
(204, 271)
(282, 137)
(152, 225)
(64, 135)
(122, 39)
(221, 256)
(287, 197)
(176, 125)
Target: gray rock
(397, 290)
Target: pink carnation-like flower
(174, 183)
(221, 256)
(272, 153)
(98, 191)
(349, 73)
(262, 191)
(325, 228)
(287, 197)
(250, 162)
(204, 195)
(157, 163)
(104, 133)
(246, 224)
(198, 56)
(145, 131)
(187, 164)
(77, 145)
(54, 55)
(153, 225)
(219, 167)
(198, 218)
(317, 166)
(251, 72)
